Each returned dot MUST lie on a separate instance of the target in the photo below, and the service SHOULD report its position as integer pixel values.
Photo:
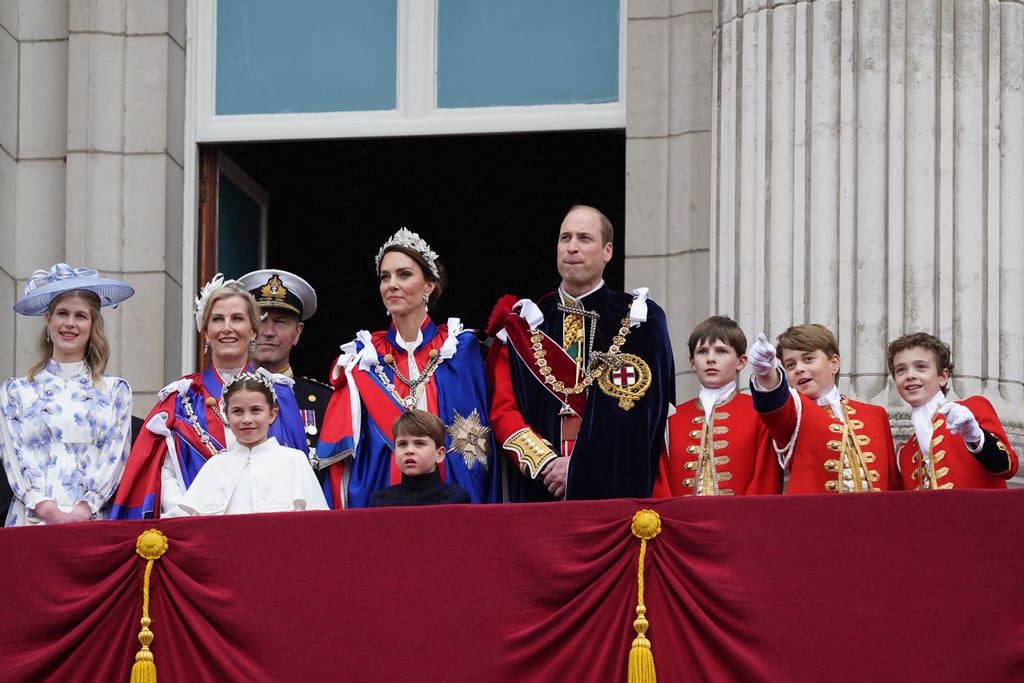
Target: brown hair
(97, 349)
(809, 337)
(420, 423)
(718, 328)
(607, 229)
(439, 282)
(939, 349)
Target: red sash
(562, 366)
(383, 409)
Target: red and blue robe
(357, 426)
(138, 496)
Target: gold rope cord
(151, 545)
(645, 526)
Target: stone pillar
(668, 155)
(869, 176)
(33, 105)
(91, 169)
(125, 122)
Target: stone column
(668, 156)
(125, 122)
(33, 105)
(91, 130)
(869, 176)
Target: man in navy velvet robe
(583, 378)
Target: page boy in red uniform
(716, 444)
(832, 444)
(955, 444)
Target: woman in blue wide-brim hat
(66, 426)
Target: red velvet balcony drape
(895, 586)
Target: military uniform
(279, 289)
(312, 397)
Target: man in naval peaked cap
(286, 301)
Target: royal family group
(567, 397)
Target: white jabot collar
(921, 419)
(709, 398)
(834, 400)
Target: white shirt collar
(67, 370)
(581, 297)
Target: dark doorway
(489, 205)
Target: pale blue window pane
(306, 56)
(238, 230)
(527, 52)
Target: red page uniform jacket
(730, 456)
(949, 464)
(824, 454)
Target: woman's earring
(252, 345)
(426, 302)
(48, 340)
(206, 347)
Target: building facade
(854, 163)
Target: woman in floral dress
(65, 432)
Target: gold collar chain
(415, 385)
(204, 436)
(599, 359)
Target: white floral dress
(63, 438)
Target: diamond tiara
(410, 240)
(254, 376)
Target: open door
(233, 219)
(489, 205)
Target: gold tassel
(151, 545)
(646, 525)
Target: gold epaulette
(314, 380)
(532, 451)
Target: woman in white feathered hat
(187, 426)
(66, 427)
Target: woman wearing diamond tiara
(65, 430)
(257, 474)
(187, 427)
(413, 364)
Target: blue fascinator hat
(45, 285)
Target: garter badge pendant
(628, 382)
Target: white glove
(960, 420)
(761, 356)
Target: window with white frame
(352, 68)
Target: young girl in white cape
(255, 473)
